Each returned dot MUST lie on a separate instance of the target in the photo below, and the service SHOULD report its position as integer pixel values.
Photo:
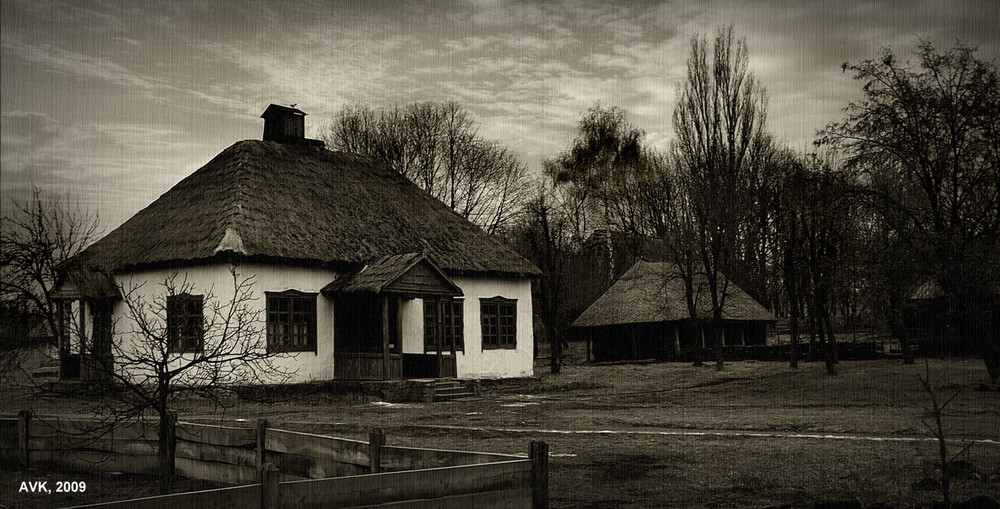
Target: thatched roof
(652, 292)
(929, 289)
(295, 203)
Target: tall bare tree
(438, 147)
(926, 138)
(721, 148)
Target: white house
(358, 273)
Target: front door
(443, 333)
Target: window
(291, 321)
(185, 323)
(451, 323)
(499, 317)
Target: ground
(757, 434)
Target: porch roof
(408, 274)
(86, 283)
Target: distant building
(359, 273)
(933, 319)
(644, 315)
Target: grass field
(675, 435)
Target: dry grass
(645, 463)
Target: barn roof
(271, 201)
(652, 292)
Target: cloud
(74, 63)
(113, 97)
(112, 169)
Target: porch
(369, 322)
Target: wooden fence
(280, 468)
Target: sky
(107, 104)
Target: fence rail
(280, 468)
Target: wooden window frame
(498, 316)
(454, 330)
(185, 323)
(275, 317)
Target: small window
(185, 323)
(451, 323)
(499, 317)
(291, 322)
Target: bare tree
(172, 342)
(668, 216)
(438, 147)
(721, 147)
(544, 236)
(926, 138)
(817, 220)
(936, 409)
(36, 238)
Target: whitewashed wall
(216, 279)
(501, 363)
(474, 362)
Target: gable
(409, 274)
(421, 279)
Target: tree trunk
(824, 341)
(811, 355)
(167, 442)
(555, 355)
(692, 330)
(719, 340)
(793, 330)
(831, 337)
(991, 357)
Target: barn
(357, 273)
(644, 315)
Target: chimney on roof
(283, 124)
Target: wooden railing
(280, 468)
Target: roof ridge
(235, 212)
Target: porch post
(385, 337)
(61, 338)
(451, 327)
(439, 337)
(82, 333)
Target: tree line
(901, 192)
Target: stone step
(447, 391)
(46, 372)
(457, 396)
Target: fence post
(261, 431)
(376, 439)
(268, 486)
(23, 434)
(539, 474)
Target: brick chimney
(284, 124)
